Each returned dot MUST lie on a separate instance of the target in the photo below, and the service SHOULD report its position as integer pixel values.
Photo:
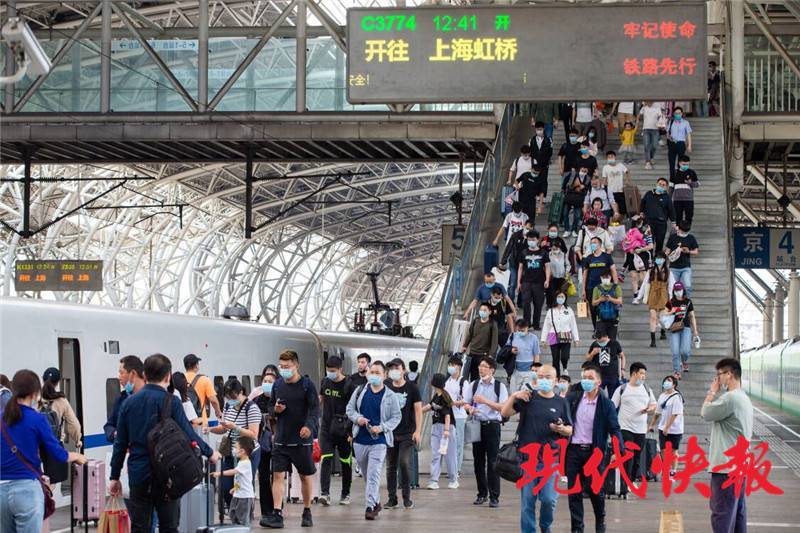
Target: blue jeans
(548, 498)
(21, 506)
(680, 343)
(576, 218)
(548, 130)
(460, 423)
(684, 275)
(512, 280)
(728, 514)
(650, 144)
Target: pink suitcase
(93, 477)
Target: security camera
(18, 34)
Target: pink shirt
(584, 421)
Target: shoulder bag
(49, 501)
(508, 464)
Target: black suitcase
(614, 485)
(648, 454)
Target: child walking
(443, 436)
(242, 491)
(628, 137)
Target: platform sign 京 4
(761, 247)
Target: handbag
(508, 464)
(552, 337)
(472, 430)
(569, 287)
(114, 518)
(666, 320)
(582, 310)
(226, 444)
(49, 501)
(677, 325)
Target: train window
(219, 385)
(246, 385)
(112, 393)
(113, 347)
(257, 380)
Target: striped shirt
(249, 415)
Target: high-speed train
(86, 342)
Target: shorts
(283, 457)
(674, 439)
(240, 510)
(630, 267)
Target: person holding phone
(634, 400)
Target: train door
(69, 364)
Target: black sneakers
(392, 503)
(370, 514)
(480, 500)
(307, 521)
(272, 521)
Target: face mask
(129, 387)
(573, 139)
(684, 167)
(539, 133)
(230, 404)
(562, 387)
(483, 314)
(591, 135)
(606, 281)
(584, 150)
(602, 344)
(533, 244)
(667, 385)
(495, 301)
(545, 385)
(331, 375)
(552, 234)
(582, 174)
(660, 189)
(612, 161)
(452, 370)
(587, 385)
(394, 375)
(659, 261)
(678, 116)
(266, 388)
(593, 247)
(286, 373)
(489, 285)
(560, 300)
(678, 294)
(522, 333)
(374, 380)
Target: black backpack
(175, 461)
(53, 419)
(56, 471)
(496, 393)
(193, 397)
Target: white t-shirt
(583, 112)
(243, 480)
(650, 115)
(454, 390)
(615, 176)
(188, 408)
(521, 165)
(674, 406)
(625, 107)
(514, 222)
(634, 399)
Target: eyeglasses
(722, 373)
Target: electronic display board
(58, 275)
(527, 53)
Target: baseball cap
(51, 374)
(191, 360)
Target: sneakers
(306, 522)
(452, 485)
(272, 521)
(636, 301)
(480, 500)
(494, 503)
(564, 372)
(370, 514)
(324, 500)
(391, 503)
(685, 367)
(648, 165)
(344, 500)
(408, 504)
(566, 234)
(378, 508)
(433, 485)
(575, 234)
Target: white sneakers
(566, 234)
(433, 485)
(452, 485)
(648, 165)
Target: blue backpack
(608, 311)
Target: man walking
(633, 401)
(201, 389)
(334, 433)
(405, 435)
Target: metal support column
(736, 74)
(766, 328)
(105, 59)
(26, 195)
(76, 80)
(11, 11)
(777, 319)
(793, 305)
(202, 55)
(248, 194)
(300, 58)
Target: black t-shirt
(533, 266)
(684, 176)
(498, 312)
(570, 152)
(590, 163)
(409, 395)
(682, 310)
(353, 382)
(595, 265)
(674, 242)
(334, 399)
(527, 190)
(540, 412)
(440, 409)
(607, 359)
(302, 409)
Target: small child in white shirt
(243, 493)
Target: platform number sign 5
(453, 236)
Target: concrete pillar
(11, 64)
(300, 57)
(766, 337)
(793, 305)
(777, 319)
(735, 81)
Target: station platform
(452, 510)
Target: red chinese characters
(746, 470)
(663, 29)
(654, 66)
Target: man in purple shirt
(594, 419)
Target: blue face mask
(562, 387)
(587, 385)
(678, 116)
(374, 379)
(573, 139)
(584, 150)
(668, 385)
(660, 189)
(659, 261)
(591, 135)
(612, 161)
(552, 234)
(593, 247)
(286, 373)
(266, 388)
(230, 404)
(489, 285)
(483, 314)
(331, 375)
(129, 387)
(533, 244)
(452, 370)
(602, 344)
(544, 384)
(522, 333)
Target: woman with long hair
(24, 433)
(179, 386)
(560, 331)
(655, 290)
(54, 399)
(261, 396)
(669, 417)
(443, 438)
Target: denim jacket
(390, 412)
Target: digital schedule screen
(58, 275)
(526, 53)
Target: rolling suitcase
(614, 484)
(296, 487)
(648, 454)
(197, 507)
(490, 257)
(505, 206)
(632, 199)
(89, 491)
(556, 207)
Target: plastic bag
(666, 320)
(114, 518)
(617, 234)
(582, 310)
(443, 447)
(123, 476)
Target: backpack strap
(191, 386)
(497, 389)
(166, 410)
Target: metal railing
(771, 86)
